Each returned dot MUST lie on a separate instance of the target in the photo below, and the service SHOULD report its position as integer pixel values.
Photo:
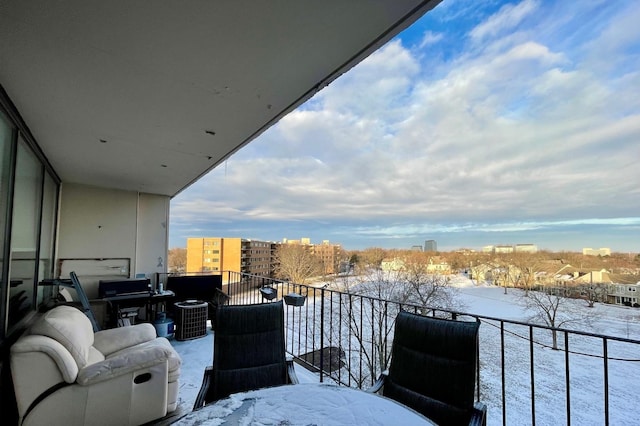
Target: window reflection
(6, 134)
(47, 237)
(25, 229)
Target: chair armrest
(377, 386)
(125, 363)
(115, 339)
(291, 372)
(479, 415)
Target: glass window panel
(47, 237)
(6, 133)
(25, 227)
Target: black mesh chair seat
(433, 369)
(248, 352)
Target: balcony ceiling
(150, 95)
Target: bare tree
(423, 288)
(368, 314)
(519, 270)
(295, 263)
(593, 293)
(371, 257)
(177, 259)
(554, 310)
(370, 319)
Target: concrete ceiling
(151, 95)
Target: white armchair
(64, 373)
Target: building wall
(526, 248)
(503, 249)
(257, 257)
(213, 254)
(100, 224)
(230, 254)
(430, 245)
(329, 255)
(153, 234)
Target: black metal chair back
(433, 367)
(249, 349)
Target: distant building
(230, 254)
(394, 264)
(430, 245)
(416, 248)
(624, 294)
(465, 251)
(438, 265)
(329, 254)
(602, 251)
(508, 248)
(526, 248)
(503, 249)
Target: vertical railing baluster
(504, 395)
(300, 323)
(350, 325)
(321, 334)
(533, 385)
(340, 337)
(373, 343)
(306, 324)
(330, 345)
(313, 339)
(478, 365)
(567, 375)
(386, 327)
(606, 380)
(361, 345)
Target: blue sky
(496, 122)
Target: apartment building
(508, 248)
(230, 254)
(602, 251)
(329, 254)
(526, 248)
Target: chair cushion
(71, 328)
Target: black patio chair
(248, 352)
(433, 369)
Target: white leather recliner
(64, 373)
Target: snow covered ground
(586, 363)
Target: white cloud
(511, 131)
(507, 18)
(430, 38)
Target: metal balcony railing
(346, 338)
